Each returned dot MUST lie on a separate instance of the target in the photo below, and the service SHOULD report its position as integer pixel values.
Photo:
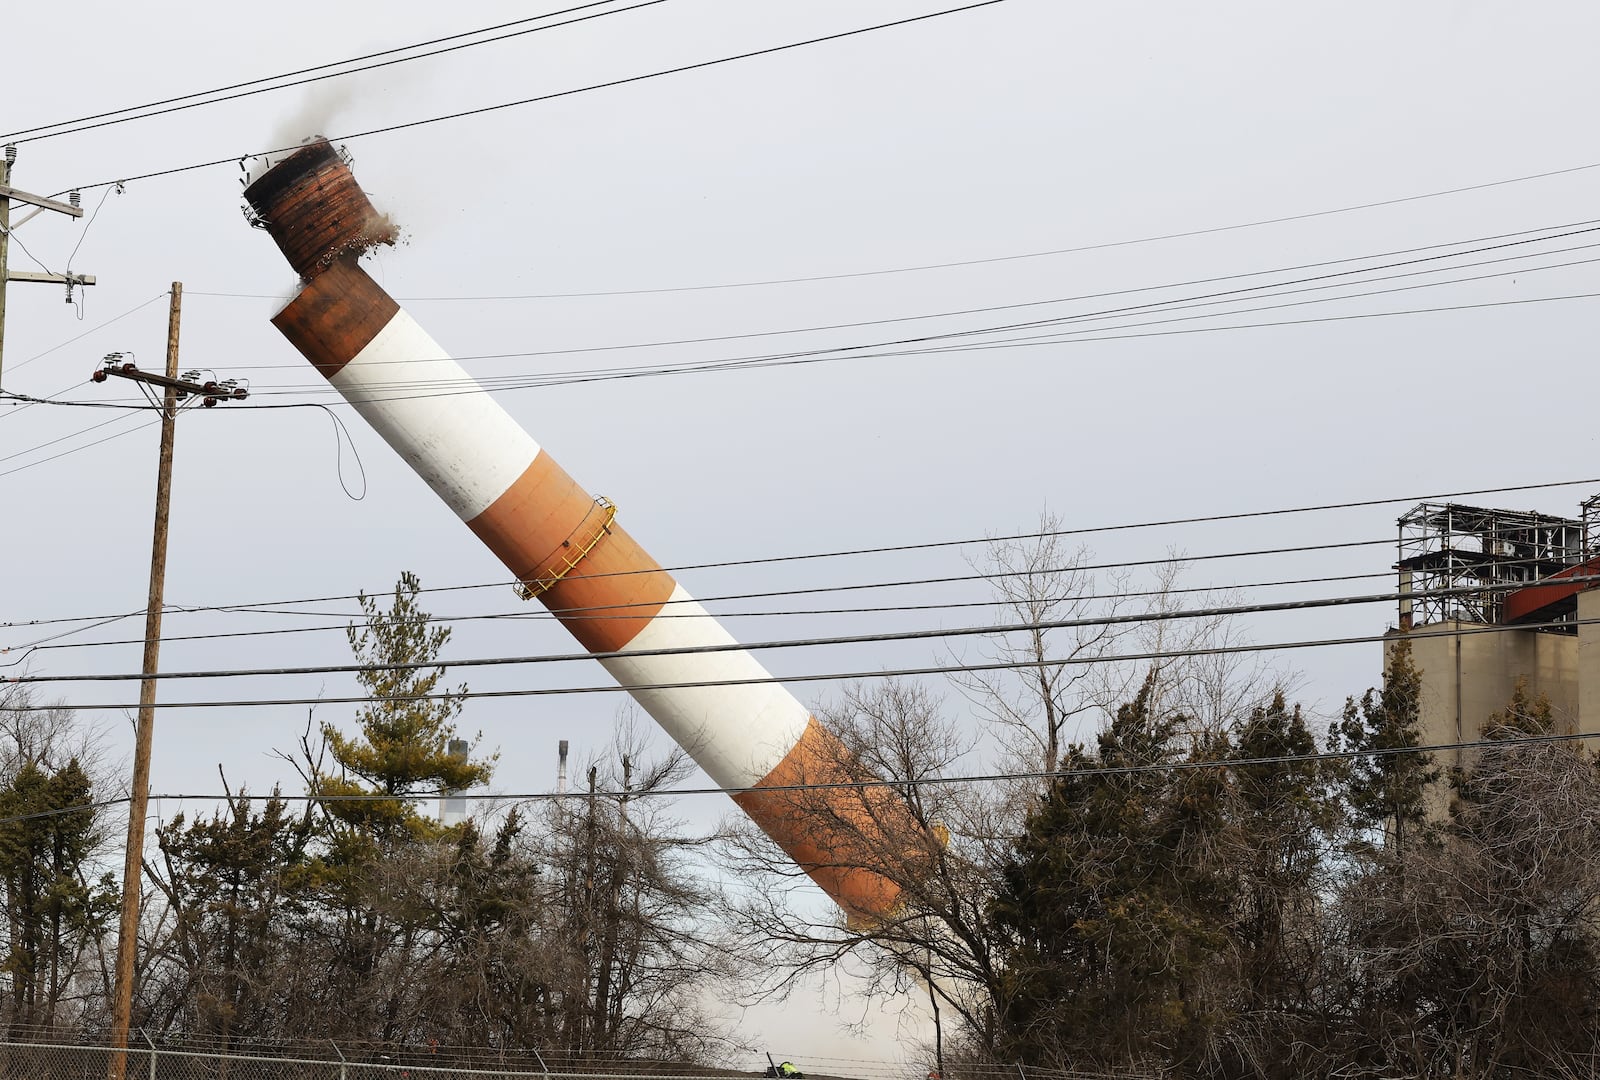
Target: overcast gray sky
(1022, 127)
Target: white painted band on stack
(737, 734)
(459, 440)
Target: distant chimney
(452, 807)
(561, 770)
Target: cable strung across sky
(994, 630)
(1508, 742)
(1296, 644)
(447, 387)
(318, 73)
(556, 95)
(1086, 530)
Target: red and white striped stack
(740, 725)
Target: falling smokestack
(561, 768)
(743, 728)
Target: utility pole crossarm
(9, 192)
(210, 390)
(50, 279)
(40, 203)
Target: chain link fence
(65, 1061)
(43, 1058)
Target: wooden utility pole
(138, 797)
(7, 194)
(174, 391)
(6, 162)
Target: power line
(853, 352)
(452, 387)
(1312, 508)
(1111, 244)
(29, 399)
(43, 645)
(1088, 772)
(834, 354)
(92, 330)
(64, 811)
(1266, 292)
(843, 676)
(63, 438)
(1068, 336)
(1157, 306)
(842, 353)
(1168, 560)
(865, 784)
(1578, 228)
(939, 634)
(699, 65)
(1114, 244)
(821, 355)
(605, 610)
(77, 449)
(610, 609)
(188, 101)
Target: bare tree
(1034, 706)
(1202, 674)
(936, 844)
(632, 944)
(1477, 953)
(228, 885)
(944, 847)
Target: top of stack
(311, 205)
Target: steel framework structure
(1451, 546)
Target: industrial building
(1490, 597)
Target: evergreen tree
(54, 911)
(380, 874)
(234, 890)
(1113, 905)
(1283, 816)
(403, 745)
(1387, 784)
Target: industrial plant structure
(1490, 598)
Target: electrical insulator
(76, 199)
(11, 154)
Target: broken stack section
(741, 726)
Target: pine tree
(51, 904)
(1283, 816)
(403, 746)
(1113, 908)
(378, 872)
(1387, 783)
(234, 890)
